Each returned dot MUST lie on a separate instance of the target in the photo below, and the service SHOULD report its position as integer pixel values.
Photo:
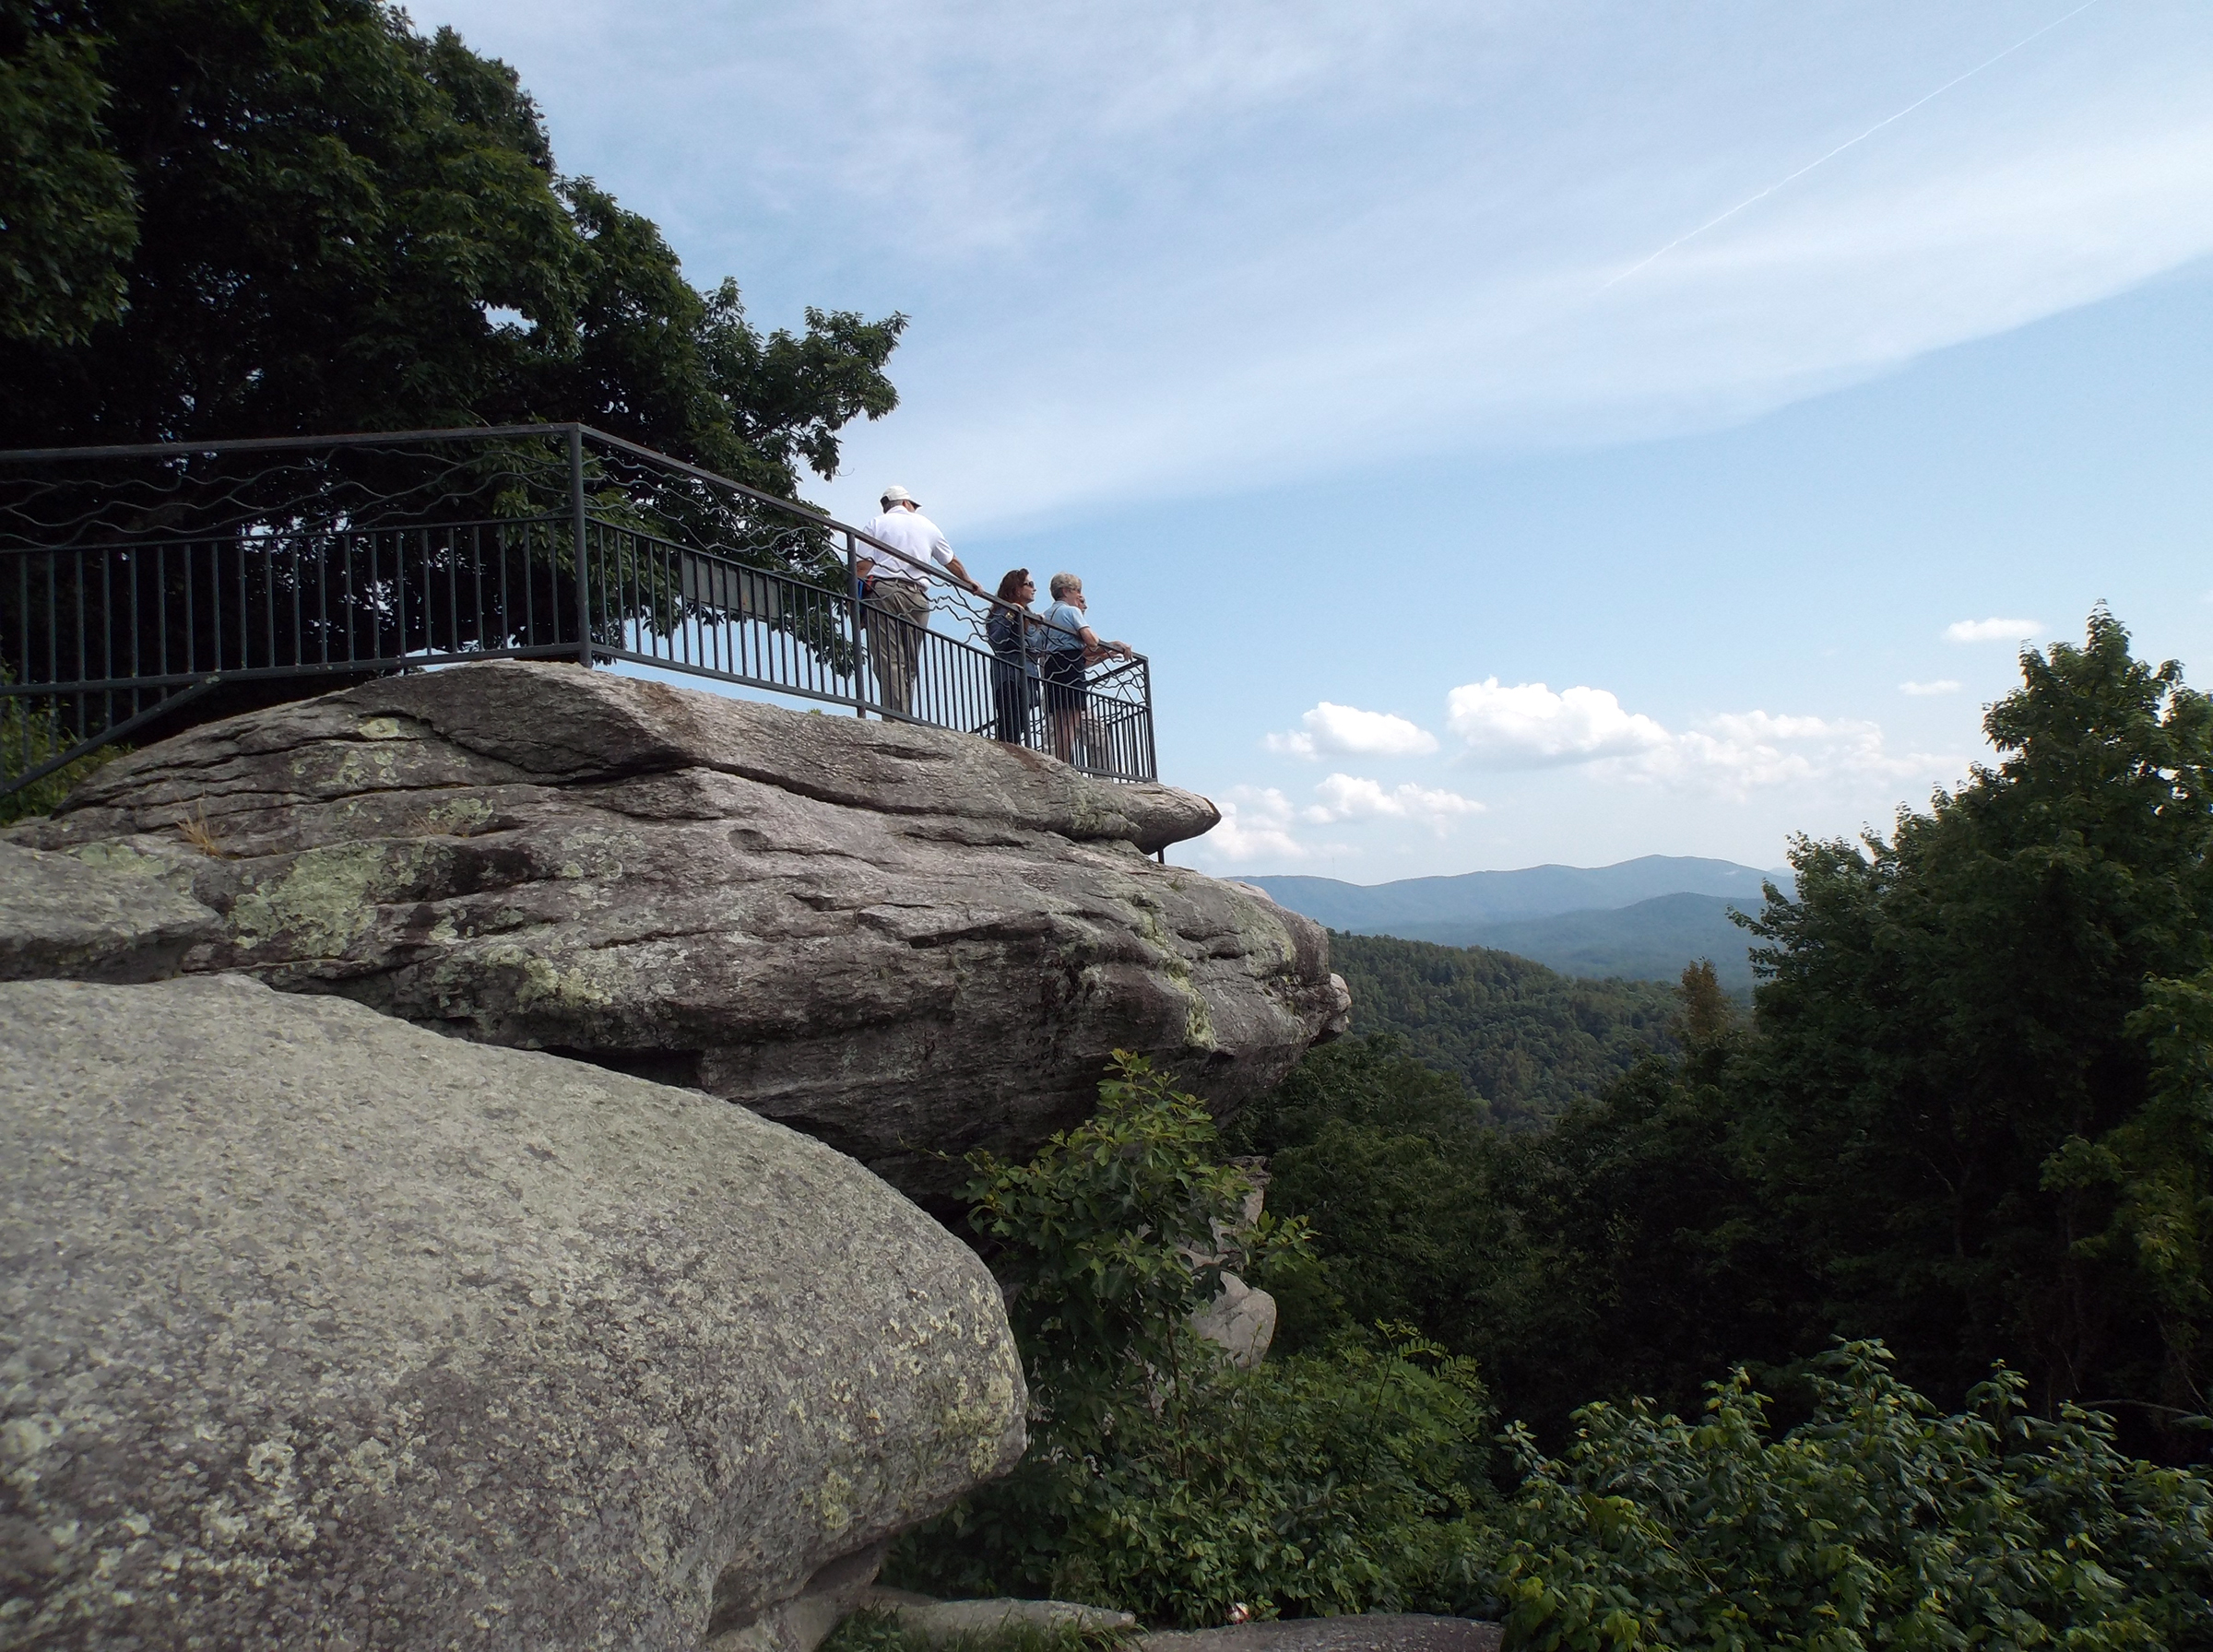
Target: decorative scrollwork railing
(135, 581)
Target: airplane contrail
(1863, 137)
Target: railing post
(576, 530)
(1152, 755)
(861, 669)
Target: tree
(68, 214)
(1973, 1114)
(1979, 1093)
(253, 218)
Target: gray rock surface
(804, 1622)
(62, 916)
(905, 941)
(941, 1621)
(1240, 1321)
(318, 1329)
(1373, 1631)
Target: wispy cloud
(1351, 798)
(1992, 630)
(1346, 731)
(1943, 685)
(1279, 235)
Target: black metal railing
(135, 580)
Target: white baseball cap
(896, 495)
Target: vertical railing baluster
(576, 531)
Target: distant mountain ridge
(1499, 897)
(1638, 920)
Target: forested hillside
(1945, 1195)
(1648, 941)
(1971, 1113)
(1523, 1038)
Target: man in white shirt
(895, 603)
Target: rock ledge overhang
(906, 941)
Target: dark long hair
(1010, 583)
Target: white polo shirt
(913, 532)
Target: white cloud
(1736, 753)
(1529, 725)
(1346, 731)
(1255, 829)
(1352, 797)
(1943, 685)
(1729, 755)
(1992, 630)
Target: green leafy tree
(230, 217)
(1622, 1250)
(68, 211)
(1977, 1091)
(1387, 1161)
(1108, 1241)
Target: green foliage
(1108, 1241)
(261, 217)
(1311, 1486)
(26, 741)
(1160, 1479)
(1973, 1114)
(68, 213)
(1386, 1161)
(1876, 1522)
(1165, 1481)
(1528, 1040)
(1621, 1251)
(1977, 1094)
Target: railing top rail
(150, 450)
(821, 517)
(262, 444)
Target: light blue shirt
(1070, 618)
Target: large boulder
(321, 1330)
(905, 941)
(61, 916)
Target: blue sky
(1516, 433)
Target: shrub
(1876, 1522)
(1160, 1479)
(28, 740)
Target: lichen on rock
(908, 942)
(319, 1327)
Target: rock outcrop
(318, 1329)
(905, 941)
(1371, 1632)
(940, 1622)
(60, 916)
(1240, 1321)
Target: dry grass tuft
(196, 831)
